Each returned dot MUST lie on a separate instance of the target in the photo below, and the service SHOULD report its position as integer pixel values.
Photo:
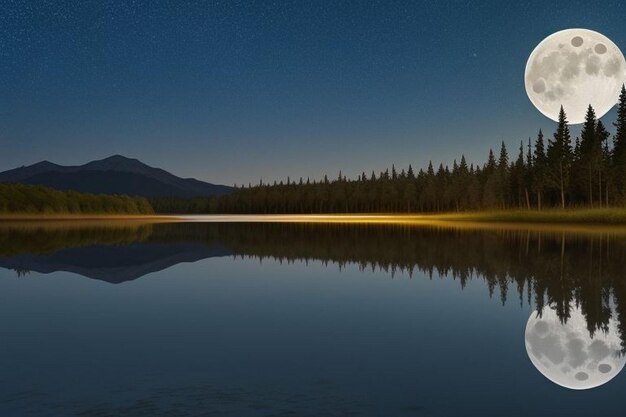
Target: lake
(303, 319)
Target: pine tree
(429, 197)
(528, 174)
(589, 152)
(463, 168)
(559, 156)
(410, 173)
(619, 147)
(503, 161)
(607, 171)
(490, 166)
(518, 177)
(462, 180)
(490, 182)
(503, 175)
(601, 159)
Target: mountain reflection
(563, 270)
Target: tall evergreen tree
(540, 168)
(619, 147)
(503, 175)
(601, 160)
(528, 174)
(589, 152)
(608, 183)
(503, 161)
(490, 182)
(462, 182)
(410, 174)
(518, 174)
(490, 166)
(560, 157)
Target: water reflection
(112, 252)
(568, 355)
(574, 279)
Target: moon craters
(572, 68)
(581, 376)
(539, 86)
(567, 354)
(605, 368)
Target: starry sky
(234, 91)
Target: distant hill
(114, 175)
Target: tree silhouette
(589, 153)
(619, 147)
(559, 155)
(592, 173)
(540, 169)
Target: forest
(559, 171)
(555, 172)
(35, 199)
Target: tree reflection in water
(562, 269)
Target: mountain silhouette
(113, 175)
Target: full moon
(575, 68)
(567, 355)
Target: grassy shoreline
(558, 216)
(572, 221)
(58, 217)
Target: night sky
(233, 91)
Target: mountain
(114, 175)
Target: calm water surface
(243, 319)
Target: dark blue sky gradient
(233, 91)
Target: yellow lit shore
(577, 220)
(606, 216)
(570, 220)
(600, 216)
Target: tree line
(589, 171)
(35, 199)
